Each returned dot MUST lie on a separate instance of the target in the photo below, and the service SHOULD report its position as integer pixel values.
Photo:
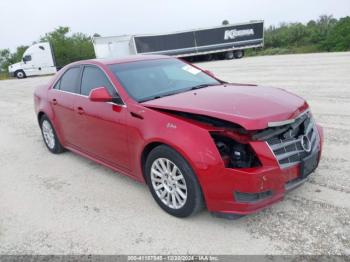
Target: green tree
(4, 58)
(17, 56)
(338, 39)
(310, 37)
(7, 58)
(325, 24)
(68, 49)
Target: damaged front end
(292, 142)
(231, 140)
(258, 166)
(289, 141)
(233, 153)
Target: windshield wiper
(174, 93)
(155, 97)
(201, 86)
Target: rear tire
(172, 182)
(209, 57)
(50, 137)
(238, 54)
(20, 74)
(229, 55)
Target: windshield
(151, 79)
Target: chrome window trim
(71, 93)
(87, 97)
(82, 65)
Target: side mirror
(24, 60)
(209, 73)
(100, 94)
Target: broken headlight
(235, 154)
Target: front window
(94, 78)
(27, 58)
(151, 79)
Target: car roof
(121, 60)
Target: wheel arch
(145, 152)
(46, 113)
(20, 70)
(40, 115)
(153, 144)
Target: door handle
(80, 110)
(54, 101)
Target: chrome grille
(288, 146)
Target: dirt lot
(67, 204)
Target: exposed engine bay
(234, 154)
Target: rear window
(69, 80)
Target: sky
(24, 21)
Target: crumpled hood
(249, 106)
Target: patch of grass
(4, 75)
(284, 50)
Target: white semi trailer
(227, 41)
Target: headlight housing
(235, 154)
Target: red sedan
(194, 139)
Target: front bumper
(249, 190)
(270, 184)
(11, 74)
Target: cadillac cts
(194, 139)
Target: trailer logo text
(232, 34)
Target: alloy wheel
(48, 133)
(168, 183)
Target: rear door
(102, 130)
(62, 97)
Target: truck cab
(38, 59)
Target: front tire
(20, 74)
(49, 135)
(172, 182)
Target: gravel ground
(66, 204)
